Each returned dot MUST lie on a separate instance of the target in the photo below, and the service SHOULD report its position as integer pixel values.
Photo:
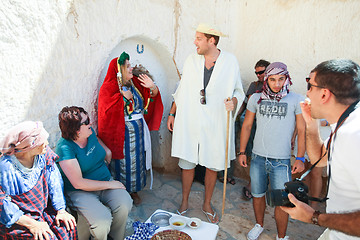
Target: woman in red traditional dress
(129, 106)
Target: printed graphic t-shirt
(275, 124)
(90, 158)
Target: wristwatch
(240, 153)
(315, 218)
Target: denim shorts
(263, 170)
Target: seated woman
(89, 187)
(32, 204)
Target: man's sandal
(181, 213)
(246, 193)
(207, 214)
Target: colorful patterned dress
(126, 139)
(36, 193)
(131, 170)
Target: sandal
(221, 179)
(231, 181)
(246, 193)
(207, 214)
(181, 213)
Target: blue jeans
(263, 169)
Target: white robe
(199, 134)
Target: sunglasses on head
(87, 121)
(260, 72)
(203, 98)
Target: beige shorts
(185, 164)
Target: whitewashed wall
(54, 53)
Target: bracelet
(301, 159)
(171, 114)
(315, 218)
(327, 123)
(240, 153)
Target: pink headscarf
(275, 68)
(23, 137)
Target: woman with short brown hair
(89, 187)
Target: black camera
(279, 197)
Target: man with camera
(277, 113)
(334, 93)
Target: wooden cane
(226, 160)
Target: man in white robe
(199, 127)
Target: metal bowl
(161, 219)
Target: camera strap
(341, 120)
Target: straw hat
(213, 30)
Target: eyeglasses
(260, 72)
(203, 98)
(309, 85)
(87, 121)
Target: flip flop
(231, 181)
(181, 213)
(246, 193)
(207, 214)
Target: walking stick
(226, 160)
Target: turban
(275, 68)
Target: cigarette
(307, 101)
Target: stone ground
(238, 216)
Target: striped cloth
(131, 170)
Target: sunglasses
(87, 121)
(260, 72)
(309, 85)
(203, 98)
